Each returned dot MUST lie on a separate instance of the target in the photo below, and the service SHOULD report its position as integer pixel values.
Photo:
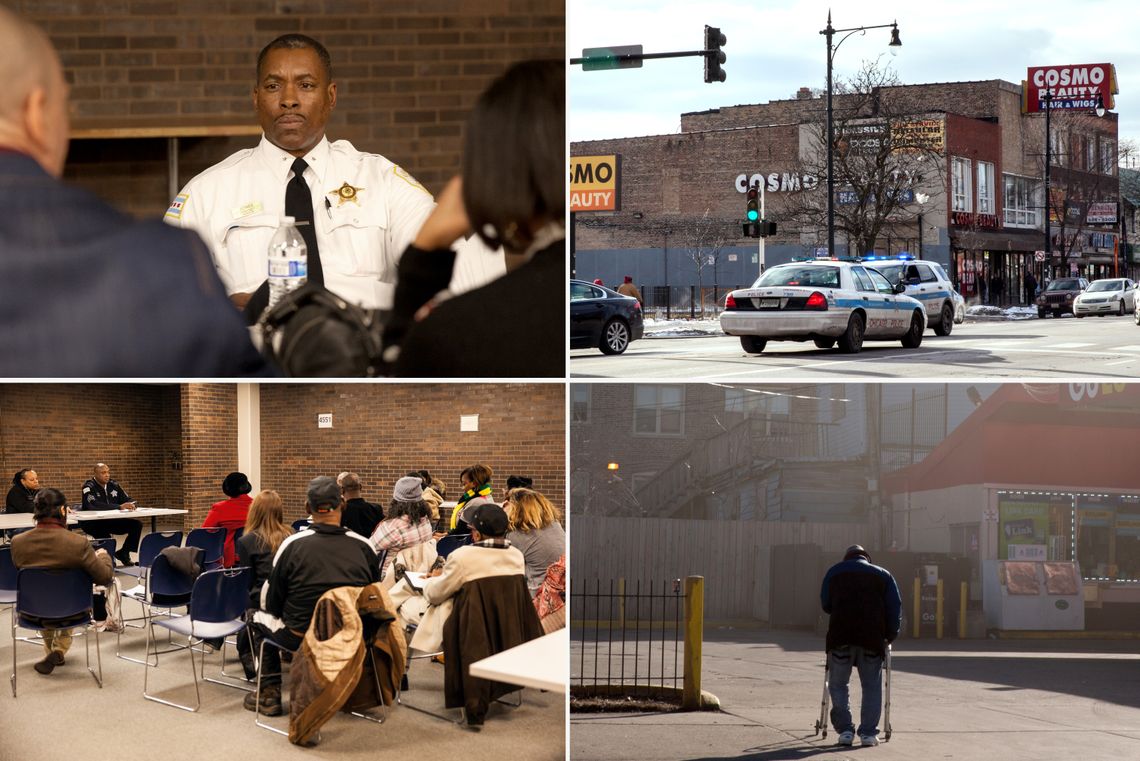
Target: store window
(1020, 199)
(985, 187)
(659, 410)
(961, 187)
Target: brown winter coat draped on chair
(491, 614)
(327, 671)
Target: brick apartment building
(171, 445)
(983, 220)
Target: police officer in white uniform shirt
(366, 209)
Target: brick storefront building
(682, 195)
(171, 445)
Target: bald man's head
(33, 112)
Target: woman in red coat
(230, 513)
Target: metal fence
(670, 301)
(629, 636)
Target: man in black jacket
(866, 614)
(101, 493)
(307, 565)
(359, 515)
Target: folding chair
(61, 596)
(211, 541)
(165, 590)
(217, 603)
(447, 544)
(107, 545)
(7, 577)
(149, 548)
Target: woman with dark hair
(231, 512)
(408, 522)
(511, 193)
(476, 482)
(25, 484)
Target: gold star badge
(346, 193)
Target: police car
(825, 301)
(925, 281)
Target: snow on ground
(710, 326)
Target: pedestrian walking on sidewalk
(866, 615)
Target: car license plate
(769, 303)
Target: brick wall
(61, 431)
(407, 75)
(382, 431)
(209, 444)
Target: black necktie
(299, 205)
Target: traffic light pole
(760, 247)
(643, 56)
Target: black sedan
(603, 318)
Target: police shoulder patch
(177, 205)
(86, 489)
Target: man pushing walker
(866, 614)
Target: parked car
(925, 281)
(1116, 295)
(603, 318)
(1058, 296)
(825, 301)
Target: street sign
(1038, 256)
(598, 59)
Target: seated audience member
(142, 298)
(407, 524)
(536, 532)
(265, 530)
(498, 616)
(21, 496)
(432, 498)
(101, 493)
(51, 545)
(307, 564)
(519, 482)
(476, 482)
(230, 513)
(511, 194)
(359, 515)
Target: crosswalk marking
(1132, 348)
(1070, 346)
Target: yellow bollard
(938, 613)
(694, 636)
(962, 611)
(917, 605)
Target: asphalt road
(973, 700)
(1050, 349)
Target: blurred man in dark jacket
(866, 614)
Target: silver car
(824, 301)
(1115, 295)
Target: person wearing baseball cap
(231, 512)
(866, 615)
(308, 564)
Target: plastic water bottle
(288, 261)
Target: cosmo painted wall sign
(595, 183)
(1074, 87)
(776, 182)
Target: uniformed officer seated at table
(89, 291)
(361, 209)
(101, 493)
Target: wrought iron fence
(669, 301)
(628, 635)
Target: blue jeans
(870, 666)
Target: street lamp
(830, 32)
(922, 198)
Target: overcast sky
(774, 48)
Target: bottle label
(288, 268)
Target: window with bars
(961, 187)
(1020, 201)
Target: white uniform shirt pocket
(241, 258)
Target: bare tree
(882, 157)
(704, 239)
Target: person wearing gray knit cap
(409, 519)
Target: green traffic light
(753, 215)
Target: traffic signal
(714, 56)
(753, 212)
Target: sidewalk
(1008, 700)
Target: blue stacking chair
(61, 596)
(447, 544)
(104, 544)
(217, 605)
(149, 548)
(301, 524)
(7, 577)
(212, 543)
(165, 590)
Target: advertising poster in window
(1095, 539)
(1023, 525)
(1128, 538)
